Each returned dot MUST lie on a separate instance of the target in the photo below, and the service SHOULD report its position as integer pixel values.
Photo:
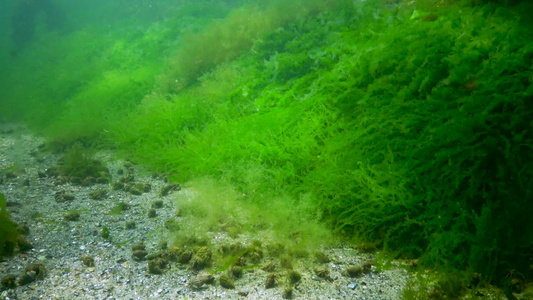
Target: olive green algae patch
(217, 215)
(11, 233)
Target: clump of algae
(242, 232)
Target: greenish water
(403, 125)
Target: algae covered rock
(201, 280)
(226, 282)
(8, 233)
(139, 255)
(88, 260)
(322, 272)
(152, 213)
(170, 188)
(270, 281)
(236, 271)
(33, 272)
(9, 282)
(99, 194)
(293, 276)
(201, 258)
(287, 292)
(157, 265)
(72, 216)
(356, 271)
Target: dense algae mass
(403, 125)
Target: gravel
(61, 244)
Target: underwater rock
(8, 282)
(173, 254)
(158, 204)
(26, 278)
(253, 255)
(170, 188)
(270, 267)
(232, 249)
(287, 292)
(476, 278)
(322, 272)
(25, 182)
(226, 282)
(286, 262)
(132, 189)
(129, 166)
(9, 247)
(88, 181)
(363, 268)
(270, 281)
(130, 225)
(137, 188)
(138, 246)
(10, 175)
(118, 186)
(24, 244)
(122, 206)
(367, 248)
(33, 272)
(23, 229)
(517, 285)
(201, 258)
(201, 280)
(139, 255)
(98, 194)
(185, 256)
(73, 216)
(294, 277)
(152, 213)
(61, 180)
(163, 245)
(156, 265)
(52, 172)
(75, 180)
(353, 271)
(275, 249)
(236, 272)
(61, 196)
(127, 179)
(145, 187)
(88, 260)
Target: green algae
(406, 127)
(8, 230)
